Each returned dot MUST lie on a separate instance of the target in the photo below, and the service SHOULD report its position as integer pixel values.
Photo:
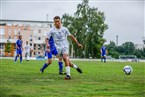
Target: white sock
(75, 66)
(27, 57)
(67, 70)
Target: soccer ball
(127, 70)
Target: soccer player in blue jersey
(19, 48)
(103, 51)
(49, 53)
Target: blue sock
(21, 59)
(44, 66)
(60, 66)
(16, 58)
(101, 59)
(105, 60)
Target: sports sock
(44, 66)
(105, 60)
(16, 58)
(60, 66)
(20, 58)
(101, 59)
(27, 57)
(75, 66)
(67, 70)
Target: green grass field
(98, 80)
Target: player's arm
(101, 51)
(17, 45)
(106, 51)
(75, 40)
(47, 45)
(46, 41)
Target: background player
(103, 51)
(27, 51)
(19, 48)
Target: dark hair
(20, 36)
(56, 17)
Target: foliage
(127, 48)
(88, 26)
(8, 46)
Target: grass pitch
(98, 80)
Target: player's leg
(49, 61)
(75, 66)
(101, 58)
(20, 52)
(104, 58)
(60, 63)
(28, 54)
(66, 61)
(17, 52)
(67, 67)
(16, 57)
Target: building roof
(26, 21)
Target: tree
(8, 47)
(126, 48)
(112, 49)
(88, 26)
(138, 53)
(129, 48)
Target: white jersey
(27, 48)
(59, 37)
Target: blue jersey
(19, 43)
(103, 49)
(53, 50)
(51, 42)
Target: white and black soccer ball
(127, 70)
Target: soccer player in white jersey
(27, 51)
(59, 34)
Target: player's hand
(47, 46)
(79, 45)
(48, 50)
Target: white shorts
(27, 53)
(63, 50)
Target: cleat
(61, 73)
(41, 70)
(79, 70)
(67, 77)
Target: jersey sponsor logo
(59, 35)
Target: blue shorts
(103, 55)
(52, 52)
(19, 51)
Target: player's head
(57, 22)
(20, 37)
(26, 42)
